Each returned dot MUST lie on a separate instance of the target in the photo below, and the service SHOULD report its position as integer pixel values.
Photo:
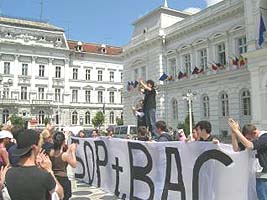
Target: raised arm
(234, 142)
(145, 85)
(235, 129)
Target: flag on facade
(200, 71)
(163, 77)
(197, 71)
(214, 67)
(128, 87)
(182, 75)
(170, 78)
(220, 66)
(135, 84)
(235, 61)
(262, 29)
(242, 61)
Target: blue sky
(96, 21)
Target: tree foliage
(119, 121)
(186, 126)
(98, 119)
(17, 121)
(46, 121)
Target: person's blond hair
(6, 128)
(45, 134)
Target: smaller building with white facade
(44, 75)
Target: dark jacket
(164, 137)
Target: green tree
(119, 121)
(186, 126)
(46, 121)
(98, 119)
(17, 121)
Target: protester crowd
(249, 137)
(34, 165)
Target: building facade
(42, 75)
(213, 54)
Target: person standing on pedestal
(150, 105)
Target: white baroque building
(44, 75)
(170, 41)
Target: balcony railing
(42, 102)
(7, 101)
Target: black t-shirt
(29, 183)
(260, 145)
(150, 99)
(241, 146)
(209, 139)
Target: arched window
(74, 118)
(5, 115)
(87, 118)
(111, 117)
(225, 104)
(41, 117)
(175, 110)
(206, 106)
(246, 103)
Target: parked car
(126, 132)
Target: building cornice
(96, 56)
(24, 23)
(200, 20)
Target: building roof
(94, 48)
(165, 10)
(28, 23)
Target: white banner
(170, 170)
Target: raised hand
(44, 161)
(3, 171)
(233, 125)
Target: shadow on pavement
(109, 198)
(81, 193)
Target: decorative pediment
(199, 41)
(88, 87)
(100, 88)
(112, 89)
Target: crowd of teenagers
(249, 137)
(34, 164)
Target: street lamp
(189, 96)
